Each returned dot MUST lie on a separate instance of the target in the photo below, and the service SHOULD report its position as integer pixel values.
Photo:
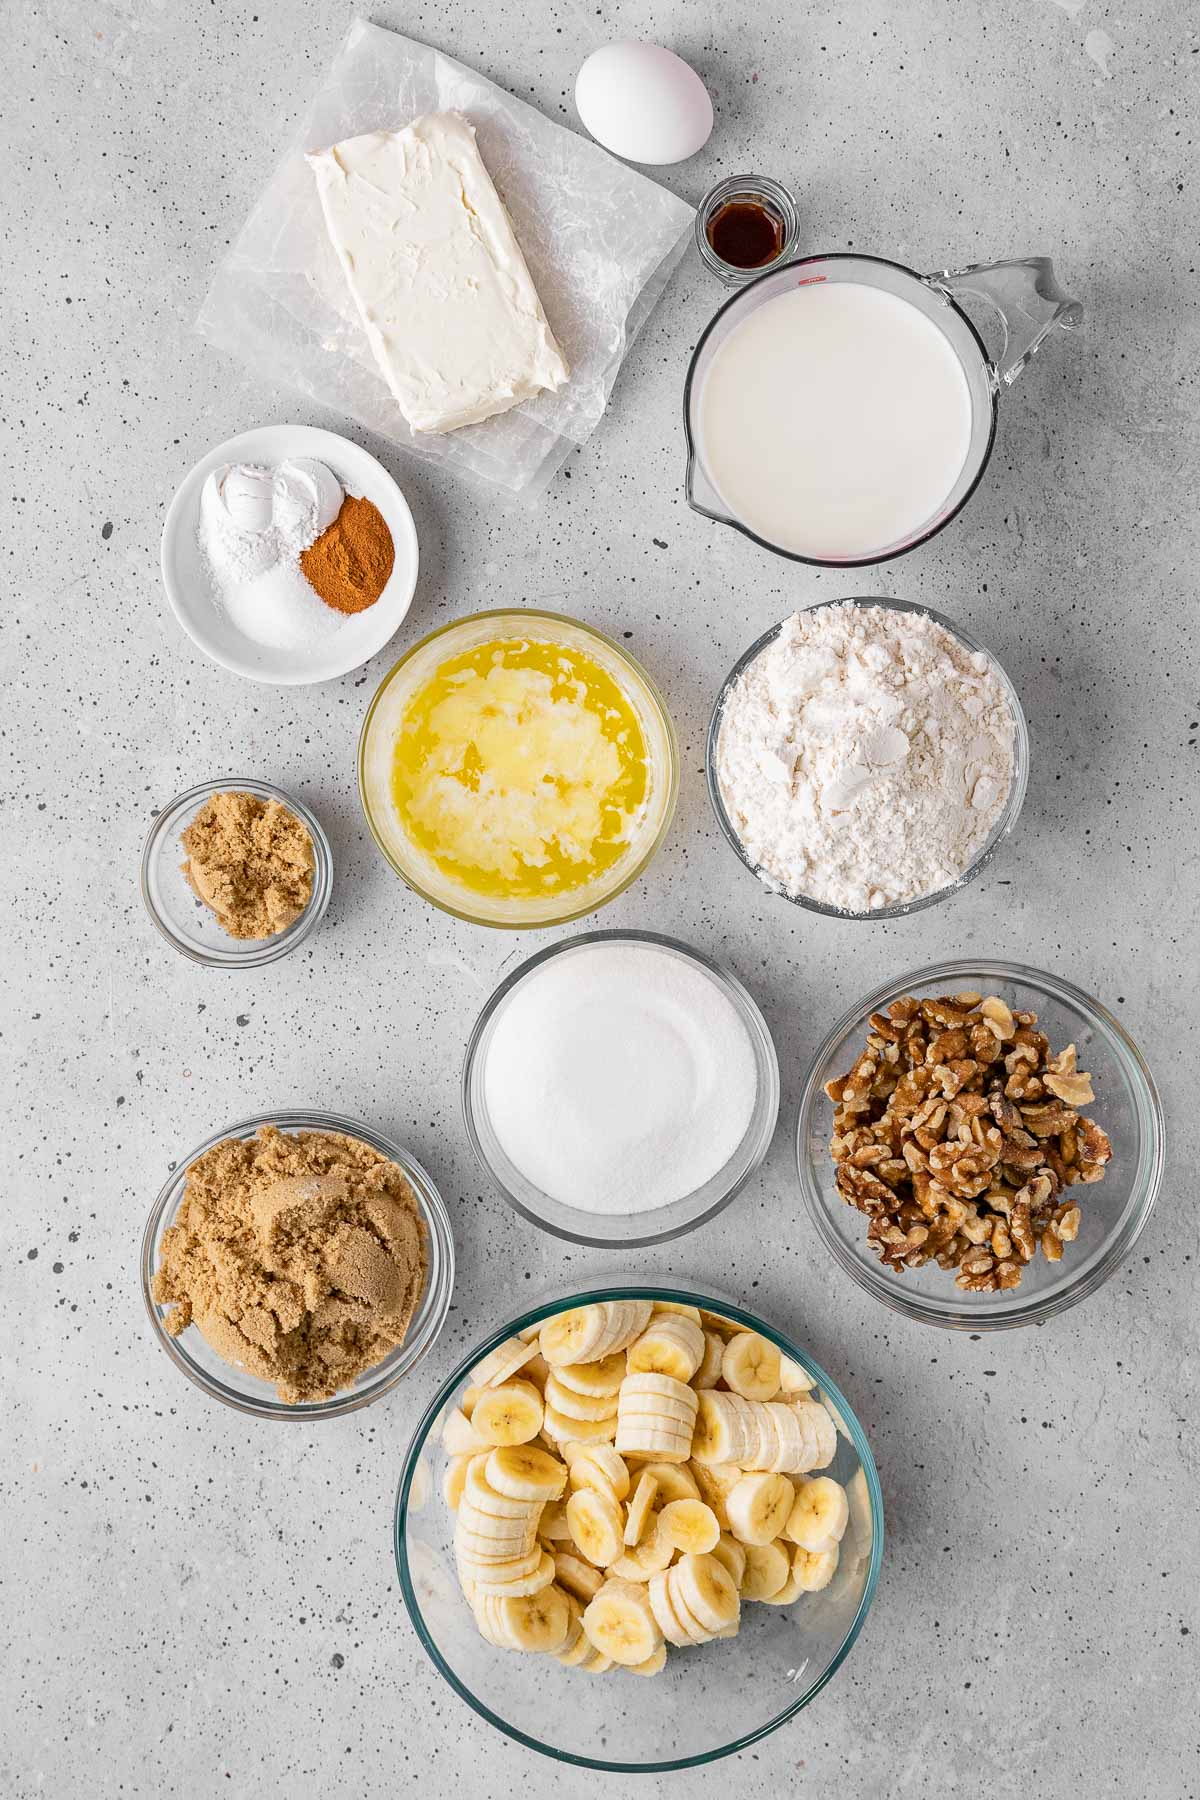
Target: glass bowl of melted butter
(518, 769)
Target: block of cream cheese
(436, 272)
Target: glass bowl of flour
(867, 758)
(620, 1088)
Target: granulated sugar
(865, 756)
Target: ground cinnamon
(350, 564)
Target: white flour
(864, 757)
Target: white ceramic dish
(190, 591)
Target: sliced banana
(712, 1321)
(813, 1415)
(597, 1525)
(706, 1588)
(459, 1436)
(642, 1435)
(503, 1361)
(758, 1507)
(553, 1529)
(522, 1472)
(709, 1372)
(680, 1307)
(767, 1568)
(495, 1573)
(562, 1430)
(819, 1515)
(576, 1649)
(792, 1378)
(599, 1465)
(538, 1622)
(454, 1479)
(596, 1380)
(663, 1607)
(732, 1556)
(573, 1405)
(715, 1482)
(750, 1366)
(671, 1344)
(792, 1454)
(509, 1414)
(596, 1663)
(577, 1576)
(573, 1336)
(653, 1665)
(690, 1526)
(492, 1582)
(483, 1497)
(640, 1509)
(720, 1433)
(620, 1623)
(674, 1482)
(814, 1570)
(788, 1594)
(655, 1553)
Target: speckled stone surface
(193, 1604)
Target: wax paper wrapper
(600, 239)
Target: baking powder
(865, 756)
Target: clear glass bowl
(376, 748)
(759, 190)
(1113, 1210)
(708, 1702)
(570, 1222)
(1001, 829)
(179, 913)
(221, 1380)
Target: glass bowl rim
(1004, 825)
(257, 951)
(1119, 1243)
(693, 452)
(436, 1302)
(544, 1309)
(748, 1011)
(643, 862)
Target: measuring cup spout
(1026, 298)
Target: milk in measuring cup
(835, 420)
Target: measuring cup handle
(1025, 296)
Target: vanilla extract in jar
(745, 225)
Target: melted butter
(521, 769)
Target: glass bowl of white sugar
(620, 1088)
(867, 758)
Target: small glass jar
(747, 190)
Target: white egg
(643, 103)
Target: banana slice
(459, 1436)
(577, 1576)
(596, 1380)
(562, 1430)
(596, 1663)
(539, 1622)
(647, 1392)
(690, 1526)
(541, 1577)
(454, 1480)
(642, 1435)
(709, 1372)
(536, 1370)
(704, 1586)
(789, 1593)
(674, 1482)
(509, 1414)
(732, 1556)
(467, 1399)
(578, 1406)
(628, 1320)
(653, 1665)
(716, 1482)
(520, 1472)
(573, 1336)
(750, 1366)
(712, 1321)
(720, 1434)
(649, 1558)
(672, 1344)
(791, 1450)
(483, 1497)
(640, 1508)
(577, 1649)
(495, 1572)
(679, 1307)
(492, 1546)
(553, 1529)
(814, 1571)
(820, 1514)
(663, 1607)
(767, 1568)
(762, 1442)
(597, 1525)
(600, 1466)
(503, 1361)
(620, 1623)
(812, 1416)
(758, 1507)
(792, 1378)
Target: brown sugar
(350, 564)
(251, 862)
(300, 1257)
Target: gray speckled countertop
(195, 1605)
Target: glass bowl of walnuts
(637, 1481)
(979, 1144)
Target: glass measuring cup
(1023, 297)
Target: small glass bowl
(758, 190)
(177, 910)
(1001, 829)
(221, 1380)
(1114, 1210)
(666, 1222)
(707, 1703)
(375, 751)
